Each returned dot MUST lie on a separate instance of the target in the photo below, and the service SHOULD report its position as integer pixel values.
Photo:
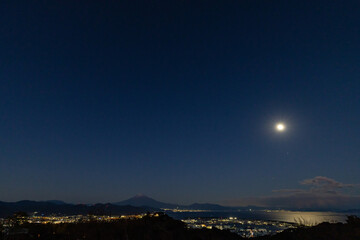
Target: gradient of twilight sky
(102, 100)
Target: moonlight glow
(280, 127)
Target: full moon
(280, 127)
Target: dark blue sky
(176, 99)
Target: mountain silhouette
(59, 202)
(48, 207)
(207, 206)
(141, 200)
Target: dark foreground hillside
(166, 228)
(323, 231)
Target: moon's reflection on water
(307, 218)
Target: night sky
(102, 100)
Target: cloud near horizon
(321, 193)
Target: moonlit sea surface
(307, 218)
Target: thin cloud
(326, 183)
(322, 193)
(288, 190)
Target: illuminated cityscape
(245, 228)
(242, 227)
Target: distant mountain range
(142, 200)
(56, 202)
(59, 207)
(134, 205)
